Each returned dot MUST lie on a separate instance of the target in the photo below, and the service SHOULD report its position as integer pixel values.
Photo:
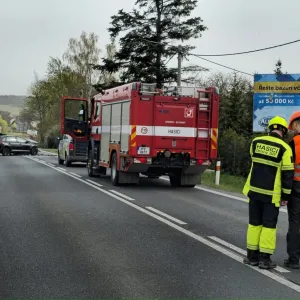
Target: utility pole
(179, 67)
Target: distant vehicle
(70, 150)
(16, 145)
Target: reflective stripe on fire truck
(140, 130)
(214, 137)
(94, 129)
(166, 131)
(133, 136)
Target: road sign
(274, 95)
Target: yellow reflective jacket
(272, 169)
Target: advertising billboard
(274, 95)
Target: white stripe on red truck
(144, 130)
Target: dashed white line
(51, 165)
(204, 241)
(122, 195)
(61, 169)
(239, 250)
(93, 182)
(166, 215)
(75, 174)
(222, 194)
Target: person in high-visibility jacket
(293, 234)
(268, 186)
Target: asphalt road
(64, 235)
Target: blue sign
(274, 95)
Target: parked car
(16, 145)
(70, 151)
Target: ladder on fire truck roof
(185, 91)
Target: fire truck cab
(137, 129)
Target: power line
(222, 65)
(250, 51)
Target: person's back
(268, 185)
(269, 154)
(293, 234)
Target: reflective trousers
(261, 234)
(293, 235)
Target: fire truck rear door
(74, 117)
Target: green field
(14, 110)
(228, 183)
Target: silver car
(70, 150)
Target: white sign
(144, 130)
(143, 150)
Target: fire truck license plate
(144, 150)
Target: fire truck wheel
(114, 177)
(175, 180)
(90, 165)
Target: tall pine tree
(150, 29)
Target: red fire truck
(137, 129)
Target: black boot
(252, 258)
(265, 262)
(292, 263)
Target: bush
(51, 141)
(234, 152)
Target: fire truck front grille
(81, 148)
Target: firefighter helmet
(278, 123)
(295, 116)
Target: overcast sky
(33, 30)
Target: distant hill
(11, 103)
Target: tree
(38, 104)
(150, 29)
(278, 66)
(3, 125)
(108, 78)
(81, 55)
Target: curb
(43, 152)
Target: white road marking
(51, 165)
(122, 195)
(93, 182)
(61, 169)
(75, 174)
(243, 252)
(222, 194)
(166, 215)
(204, 241)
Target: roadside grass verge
(230, 183)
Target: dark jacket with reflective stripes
(272, 170)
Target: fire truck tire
(90, 166)
(176, 181)
(114, 176)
